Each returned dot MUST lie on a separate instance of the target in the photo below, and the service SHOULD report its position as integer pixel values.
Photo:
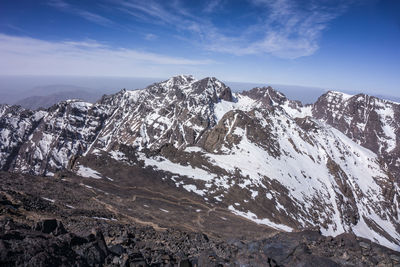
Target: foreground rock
(30, 237)
(122, 245)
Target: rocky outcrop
(266, 95)
(137, 246)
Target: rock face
(332, 165)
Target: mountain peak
(188, 85)
(267, 95)
(179, 80)
(214, 87)
(337, 94)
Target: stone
(365, 245)
(185, 263)
(395, 258)
(50, 226)
(115, 260)
(117, 249)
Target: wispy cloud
(16, 28)
(293, 29)
(143, 10)
(285, 28)
(150, 36)
(213, 6)
(24, 55)
(90, 16)
(170, 13)
(288, 28)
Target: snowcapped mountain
(333, 165)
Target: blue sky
(343, 44)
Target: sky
(333, 44)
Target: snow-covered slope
(257, 153)
(369, 121)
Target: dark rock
(347, 240)
(365, 245)
(50, 226)
(117, 249)
(185, 263)
(137, 260)
(395, 258)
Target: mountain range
(332, 166)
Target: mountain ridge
(257, 153)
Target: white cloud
(25, 55)
(141, 9)
(286, 28)
(292, 28)
(90, 16)
(212, 6)
(150, 37)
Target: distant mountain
(55, 88)
(15, 88)
(388, 97)
(45, 101)
(332, 165)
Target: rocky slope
(61, 222)
(257, 154)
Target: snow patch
(164, 164)
(118, 155)
(49, 199)
(193, 188)
(104, 219)
(251, 216)
(88, 172)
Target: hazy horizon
(16, 88)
